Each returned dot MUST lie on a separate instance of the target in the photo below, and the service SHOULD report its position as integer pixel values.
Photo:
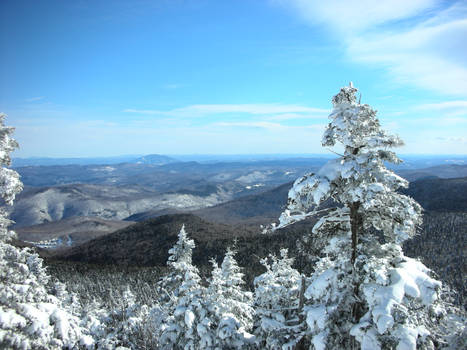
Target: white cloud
(450, 112)
(350, 16)
(443, 106)
(53, 131)
(431, 57)
(56, 140)
(419, 42)
(207, 109)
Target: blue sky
(103, 78)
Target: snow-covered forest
(362, 291)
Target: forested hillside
(440, 242)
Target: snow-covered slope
(69, 232)
(36, 206)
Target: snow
(254, 177)
(408, 279)
(107, 169)
(421, 285)
(269, 324)
(319, 341)
(368, 340)
(189, 318)
(62, 325)
(407, 338)
(319, 287)
(249, 187)
(53, 243)
(39, 317)
(316, 317)
(9, 319)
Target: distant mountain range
(138, 191)
(409, 161)
(440, 171)
(44, 161)
(206, 190)
(169, 177)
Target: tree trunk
(355, 223)
(355, 226)
(301, 300)
(355, 220)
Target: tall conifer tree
(31, 316)
(364, 290)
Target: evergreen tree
(230, 305)
(179, 262)
(364, 289)
(124, 325)
(187, 319)
(31, 317)
(277, 304)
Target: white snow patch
(189, 318)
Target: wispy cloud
(428, 56)
(453, 139)
(451, 112)
(53, 138)
(420, 42)
(206, 109)
(445, 105)
(34, 99)
(348, 17)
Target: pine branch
(330, 150)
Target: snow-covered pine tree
(179, 261)
(187, 320)
(230, 305)
(364, 290)
(10, 184)
(124, 325)
(276, 302)
(30, 316)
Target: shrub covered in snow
(126, 325)
(278, 324)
